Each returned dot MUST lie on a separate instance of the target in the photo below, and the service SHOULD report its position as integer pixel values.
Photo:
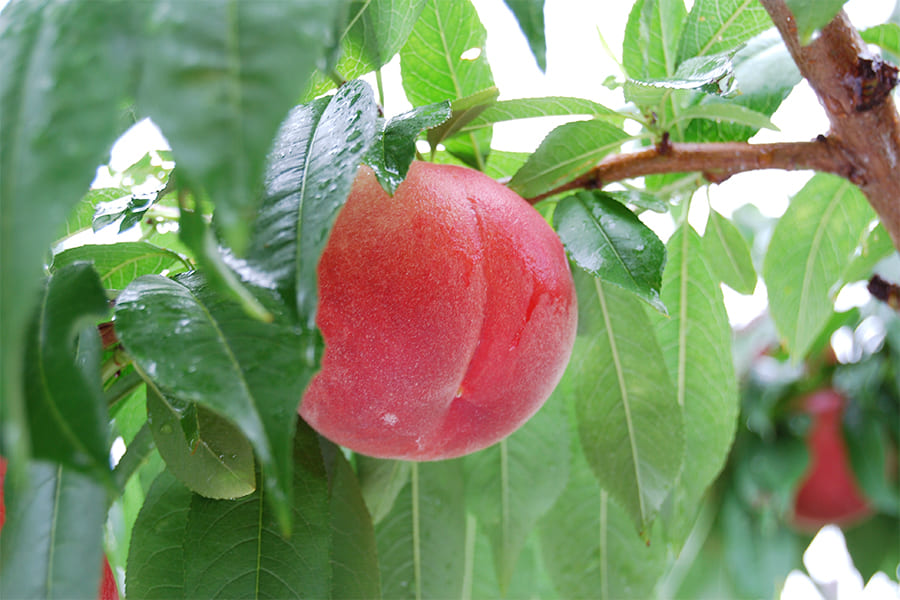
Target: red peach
(448, 313)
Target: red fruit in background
(448, 312)
(828, 492)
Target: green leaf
(433, 67)
(530, 15)
(532, 108)
(812, 15)
(463, 111)
(629, 420)
(720, 26)
(219, 461)
(220, 79)
(650, 46)
(60, 132)
(198, 347)
(608, 241)
(510, 485)
(66, 410)
(590, 547)
(732, 113)
(377, 31)
(52, 543)
(640, 199)
(421, 543)
(886, 35)
(696, 345)
(381, 481)
(81, 218)
(811, 249)
(395, 147)
(311, 168)
(566, 152)
(156, 555)
(712, 74)
(876, 247)
(728, 254)
(120, 263)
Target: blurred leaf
(529, 579)
(650, 46)
(381, 481)
(721, 26)
(868, 447)
(52, 543)
(395, 145)
(81, 217)
(876, 247)
(65, 95)
(812, 15)
(566, 152)
(811, 249)
(311, 168)
(608, 241)
(220, 80)
(198, 347)
(433, 67)
(886, 35)
(218, 465)
(728, 254)
(629, 421)
(463, 111)
(421, 543)
(640, 199)
(696, 344)
(510, 485)
(66, 410)
(590, 547)
(530, 15)
(120, 263)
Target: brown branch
(717, 162)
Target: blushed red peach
(448, 313)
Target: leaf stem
(417, 551)
(122, 387)
(135, 455)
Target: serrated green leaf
(566, 152)
(52, 542)
(199, 347)
(731, 113)
(219, 462)
(381, 481)
(696, 342)
(728, 254)
(156, 555)
(629, 421)
(886, 35)
(532, 108)
(463, 111)
(394, 148)
(720, 26)
(421, 543)
(377, 31)
(66, 410)
(433, 67)
(220, 80)
(812, 15)
(510, 485)
(811, 248)
(118, 264)
(590, 547)
(310, 171)
(61, 133)
(650, 45)
(530, 15)
(608, 241)
(712, 74)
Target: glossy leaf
(381, 481)
(310, 171)
(510, 485)
(198, 347)
(220, 80)
(120, 263)
(608, 241)
(712, 74)
(812, 15)
(548, 106)
(640, 199)
(732, 113)
(377, 30)
(433, 67)
(650, 46)
(811, 248)
(629, 421)
(66, 410)
(566, 152)
(395, 147)
(590, 547)
(721, 25)
(530, 15)
(219, 461)
(81, 217)
(421, 543)
(463, 111)
(886, 35)
(728, 254)
(52, 543)
(696, 343)
(64, 75)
